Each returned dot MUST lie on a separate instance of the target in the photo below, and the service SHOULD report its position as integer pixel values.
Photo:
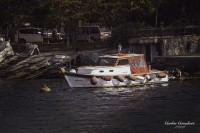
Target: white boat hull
(114, 71)
(80, 82)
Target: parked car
(93, 33)
(28, 35)
(50, 36)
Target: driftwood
(32, 67)
(52, 68)
(8, 60)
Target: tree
(156, 4)
(12, 13)
(48, 14)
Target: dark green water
(23, 109)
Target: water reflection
(136, 90)
(126, 109)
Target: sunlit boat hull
(115, 71)
(77, 81)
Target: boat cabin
(136, 62)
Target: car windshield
(104, 29)
(106, 62)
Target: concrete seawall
(189, 64)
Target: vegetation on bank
(51, 13)
(113, 13)
(75, 47)
(59, 47)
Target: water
(23, 109)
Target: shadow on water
(109, 110)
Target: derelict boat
(114, 71)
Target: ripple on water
(136, 109)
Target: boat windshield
(106, 62)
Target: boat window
(106, 62)
(123, 62)
(133, 62)
(141, 62)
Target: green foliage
(11, 13)
(51, 13)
